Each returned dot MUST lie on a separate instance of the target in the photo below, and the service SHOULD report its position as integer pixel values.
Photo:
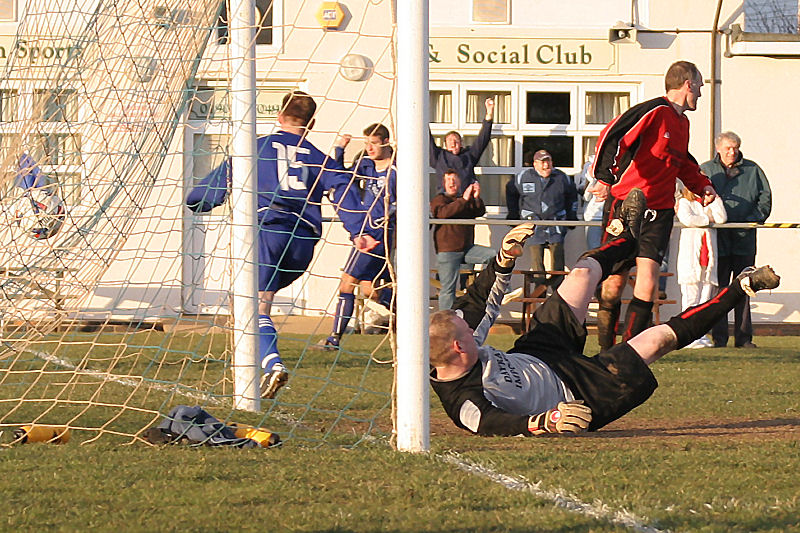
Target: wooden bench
(434, 281)
(33, 283)
(534, 294)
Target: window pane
(476, 106)
(548, 108)
(69, 183)
(560, 147)
(490, 11)
(263, 15)
(499, 152)
(602, 107)
(493, 188)
(7, 9)
(441, 106)
(589, 144)
(57, 149)
(8, 105)
(59, 105)
(771, 16)
(9, 148)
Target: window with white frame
(54, 143)
(491, 11)
(563, 118)
(8, 10)
(771, 16)
(8, 105)
(265, 17)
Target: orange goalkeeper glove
(567, 417)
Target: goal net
(115, 299)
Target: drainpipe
(713, 82)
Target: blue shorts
(284, 253)
(369, 266)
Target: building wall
(755, 98)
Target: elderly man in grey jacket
(744, 189)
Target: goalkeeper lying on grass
(545, 384)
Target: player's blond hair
(441, 334)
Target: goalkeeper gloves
(567, 417)
(512, 244)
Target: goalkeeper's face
(464, 340)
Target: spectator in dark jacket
(454, 243)
(462, 158)
(745, 191)
(543, 193)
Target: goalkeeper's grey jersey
(519, 383)
(516, 383)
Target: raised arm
(484, 135)
(481, 303)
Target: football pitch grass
(717, 448)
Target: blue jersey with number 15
(293, 176)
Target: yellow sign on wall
(330, 15)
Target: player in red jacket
(647, 147)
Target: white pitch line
(105, 376)
(559, 497)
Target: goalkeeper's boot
(630, 216)
(753, 279)
(273, 380)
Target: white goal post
(413, 405)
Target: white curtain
(8, 105)
(602, 107)
(476, 109)
(441, 106)
(589, 144)
(499, 152)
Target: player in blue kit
(377, 175)
(293, 176)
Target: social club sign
(510, 53)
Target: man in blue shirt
(377, 175)
(293, 176)
(543, 193)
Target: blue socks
(344, 310)
(268, 343)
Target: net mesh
(118, 108)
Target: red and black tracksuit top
(648, 147)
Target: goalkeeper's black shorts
(611, 383)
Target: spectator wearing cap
(543, 193)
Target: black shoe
(748, 344)
(631, 214)
(158, 436)
(753, 279)
(720, 344)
